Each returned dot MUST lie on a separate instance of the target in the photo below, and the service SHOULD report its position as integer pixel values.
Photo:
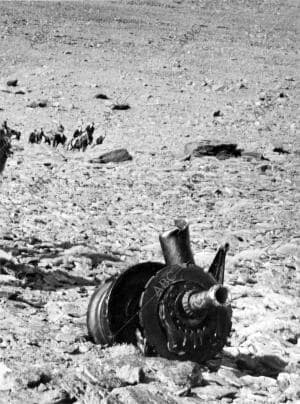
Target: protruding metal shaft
(193, 302)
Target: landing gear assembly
(174, 309)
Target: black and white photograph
(149, 201)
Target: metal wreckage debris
(174, 309)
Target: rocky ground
(68, 225)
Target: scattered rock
(6, 378)
(7, 258)
(131, 374)
(242, 86)
(115, 156)
(146, 394)
(8, 280)
(247, 362)
(120, 107)
(221, 151)
(101, 96)
(274, 301)
(190, 147)
(280, 150)
(219, 87)
(176, 373)
(262, 96)
(292, 394)
(217, 114)
(260, 382)
(36, 376)
(12, 83)
(20, 92)
(38, 104)
(119, 209)
(252, 155)
(247, 395)
(274, 363)
(286, 380)
(214, 392)
(264, 167)
(55, 312)
(122, 351)
(230, 376)
(250, 254)
(288, 249)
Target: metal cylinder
(216, 296)
(176, 245)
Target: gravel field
(206, 71)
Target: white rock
(250, 255)
(289, 249)
(7, 257)
(213, 392)
(286, 380)
(261, 382)
(175, 373)
(6, 378)
(231, 350)
(130, 374)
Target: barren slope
(175, 63)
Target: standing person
(5, 150)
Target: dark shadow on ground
(265, 365)
(23, 263)
(41, 250)
(36, 278)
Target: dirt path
(176, 63)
